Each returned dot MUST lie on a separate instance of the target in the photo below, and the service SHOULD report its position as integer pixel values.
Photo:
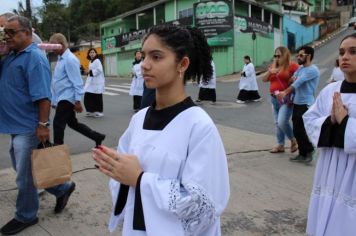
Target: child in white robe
(331, 125)
(169, 173)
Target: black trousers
(93, 102)
(304, 145)
(137, 102)
(207, 94)
(66, 115)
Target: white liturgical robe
(185, 185)
(332, 210)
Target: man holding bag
(25, 80)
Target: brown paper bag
(51, 166)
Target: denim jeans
(282, 114)
(27, 202)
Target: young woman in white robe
(248, 84)
(169, 173)
(207, 90)
(136, 88)
(331, 125)
(94, 86)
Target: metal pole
(233, 37)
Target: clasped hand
(122, 167)
(339, 111)
(280, 96)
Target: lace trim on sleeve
(192, 206)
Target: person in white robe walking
(169, 173)
(94, 85)
(207, 90)
(248, 84)
(331, 126)
(136, 89)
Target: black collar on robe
(347, 87)
(136, 62)
(159, 119)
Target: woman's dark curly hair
(97, 55)
(190, 42)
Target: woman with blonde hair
(279, 75)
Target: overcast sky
(9, 5)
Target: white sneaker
(40, 191)
(90, 114)
(98, 114)
(240, 101)
(257, 100)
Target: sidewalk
(269, 194)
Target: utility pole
(28, 9)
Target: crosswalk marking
(117, 89)
(120, 86)
(111, 94)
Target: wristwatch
(44, 124)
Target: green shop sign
(215, 20)
(109, 43)
(249, 25)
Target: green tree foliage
(80, 19)
(54, 15)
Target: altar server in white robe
(94, 85)
(248, 84)
(331, 125)
(169, 175)
(137, 87)
(207, 90)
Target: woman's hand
(121, 167)
(280, 96)
(339, 111)
(273, 70)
